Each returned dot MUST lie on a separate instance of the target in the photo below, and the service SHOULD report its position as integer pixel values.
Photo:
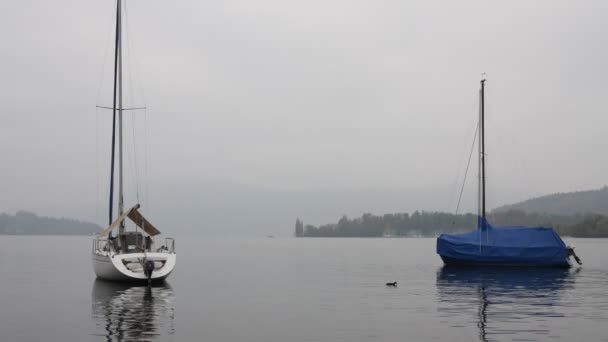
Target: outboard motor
(148, 269)
(570, 251)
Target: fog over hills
(216, 208)
(232, 210)
(27, 223)
(303, 96)
(227, 209)
(237, 210)
(224, 209)
(570, 203)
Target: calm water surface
(298, 290)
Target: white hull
(126, 267)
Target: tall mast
(120, 164)
(483, 153)
(116, 58)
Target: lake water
(298, 290)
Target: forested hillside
(430, 224)
(26, 223)
(569, 203)
(579, 214)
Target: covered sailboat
(139, 254)
(508, 246)
(488, 245)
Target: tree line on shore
(429, 224)
(26, 223)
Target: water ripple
(522, 303)
(125, 312)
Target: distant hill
(569, 203)
(26, 223)
(430, 224)
(576, 214)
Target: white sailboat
(140, 254)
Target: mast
(117, 96)
(120, 164)
(116, 58)
(483, 153)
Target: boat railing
(106, 246)
(170, 243)
(168, 247)
(102, 246)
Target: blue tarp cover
(504, 245)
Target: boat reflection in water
(520, 302)
(126, 312)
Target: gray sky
(304, 95)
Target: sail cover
(137, 218)
(504, 246)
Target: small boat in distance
(502, 246)
(138, 255)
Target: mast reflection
(507, 299)
(127, 312)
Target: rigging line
(97, 165)
(467, 168)
(137, 69)
(132, 166)
(136, 173)
(130, 52)
(127, 155)
(105, 56)
(127, 97)
(135, 170)
(462, 156)
(135, 65)
(132, 84)
(146, 193)
(133, 62)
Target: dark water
(298, 290)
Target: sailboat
(502, 246)
(130, 255)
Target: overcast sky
(301, 95)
